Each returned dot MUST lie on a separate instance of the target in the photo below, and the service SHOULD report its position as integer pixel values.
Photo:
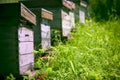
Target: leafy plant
(10, 77)
(55, 37)
(91, 54)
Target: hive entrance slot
(26, 35)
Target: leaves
(103, 10)
(92, 53)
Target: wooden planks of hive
(46, 14)
(28, 15)
(67, 18)
(63, 18)
(16, 38)
(68, 4)
(56, 7)
(26, 49)
(82, 11)
(42, 30)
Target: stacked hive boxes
(16, 39)
(63, 17)
(42, 30)
(23, 28)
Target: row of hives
(26, 25)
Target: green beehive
(82, 12)
(63, 18)
(16, 39)
(62, 13)
(42, 30)
(44, 18)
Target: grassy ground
(92, 53)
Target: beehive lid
(27, 14)
(68, 4)
(83, 4)
(46, 14)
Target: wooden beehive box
(76, 9)
(82, 11)
(16, 39)
(63, 17)
(72, 15)
(45, 28)
(68, 20)
(42, 31)
(59, 8)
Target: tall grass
(92, 53)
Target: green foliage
(91, 54)
(10, 77)
(8, 1)
(102, 10)
(55, 37)
(28, 78)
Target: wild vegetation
(103, 10)
(92, 53)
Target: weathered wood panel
(61, 21)
(28, 67)
(42, 32)
(26, 59)
(66, 27)
(72, 20)
(82, 11)
(25, 34)
(27, 14)
(45, 30)
(67, 4)
(82, 16)
(25, 47)
(45, 36)
(46, 44)
(73, 5)
(83, 4)
(15, 41)
(46, 14)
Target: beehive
(42, 31)
(59, 8)
(82, 12)
(16, 39)
(63, 17)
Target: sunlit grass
(92, 53)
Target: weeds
(91, 54)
